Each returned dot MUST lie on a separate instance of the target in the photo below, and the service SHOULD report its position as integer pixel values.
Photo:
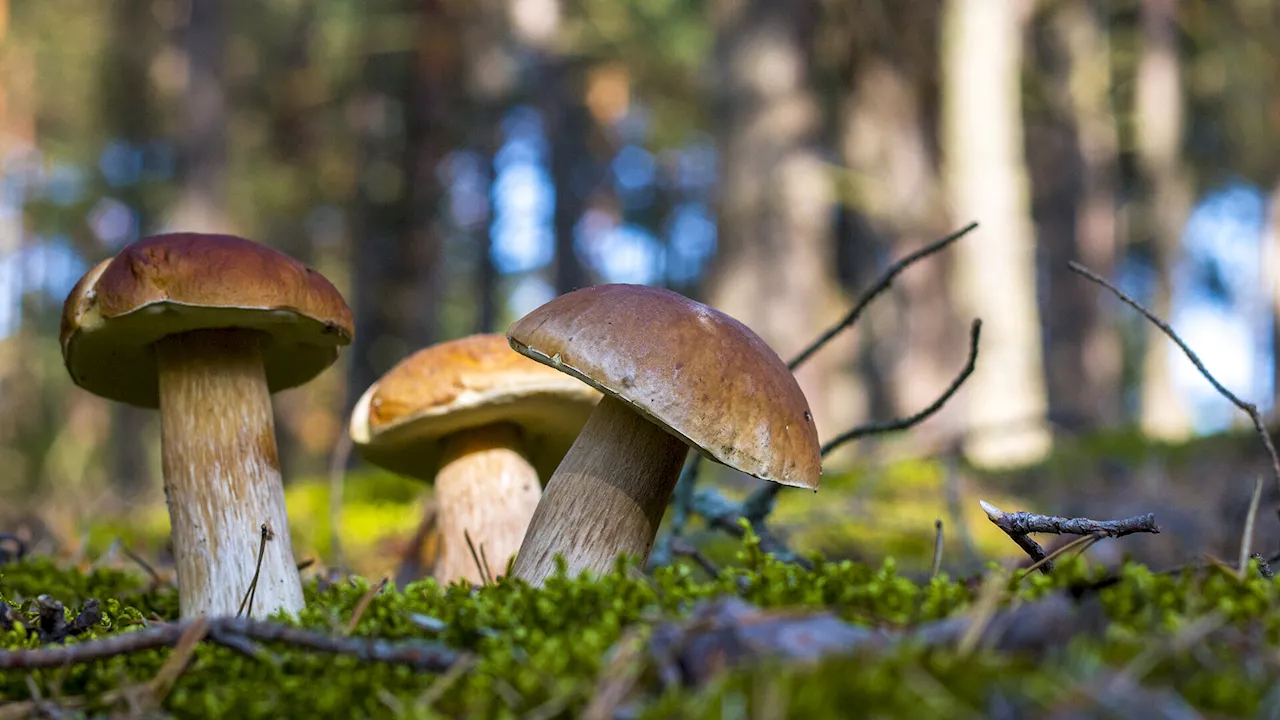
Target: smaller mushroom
(674, 374)
(483, 424)
(205, 328)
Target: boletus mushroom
(205, 328)
(674, 374)
(482, 423)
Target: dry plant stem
(487, 488)
(222, 474)
(606, 497)
(1249, 408)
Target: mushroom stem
(606, 497)
(488, 489)
(222, 475)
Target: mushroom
(205, 328)
(675, 374)
(483, 424)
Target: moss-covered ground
(1198, 640)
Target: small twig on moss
(363, 604)
(253, 584)
(178, 661)
(1249, 409)
(1019, 525)
(422, 656)
(1246, 537)
(937, 549)
(1025, 522)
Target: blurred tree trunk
(775, 264)
(985, 177)
(1160, 119)
(129, 111)
(1073, 162)
(202, 192)
(913, 340)
(407, 99)
(567, 124)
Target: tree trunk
(913, 339)
(129, 111)
(984, 173)
(567, 123)
(396, 263)
(774, 268)
(1073, 162)
(1160, 119)
(202, 193)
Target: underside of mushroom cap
(464, 384)
(693, 370)
(170, 284)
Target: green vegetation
(549, 652)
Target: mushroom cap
(402, 419)
(180, 282)
(698, 373)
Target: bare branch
(1249, 408)
(882, 283)
(419, 655)
(1019, 525)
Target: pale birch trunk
(985, 177)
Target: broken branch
(419, 655)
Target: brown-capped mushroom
(675, 374)
(483, 424)
(205, 328)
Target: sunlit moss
(544, 651)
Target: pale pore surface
(488, 489)
(607, 496)
(222, 475)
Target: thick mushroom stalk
(486, 490)
(606, 497)
(222, 474)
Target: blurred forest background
(451, 165)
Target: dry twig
(257, 570)
(1249, 409)
(937, 549)
(233, 632)
(1019, 525)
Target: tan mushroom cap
(175, 283)
(693, 370)
(462, 384)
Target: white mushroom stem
(222, 475)
(606, 497)
(487, 490)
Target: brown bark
(202, 195)
(984, 174)
(607, 496)
(222, 475)
(1166, 203)
(485, 490)
(397, 261)
(1073, 162)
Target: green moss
(545, 651)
